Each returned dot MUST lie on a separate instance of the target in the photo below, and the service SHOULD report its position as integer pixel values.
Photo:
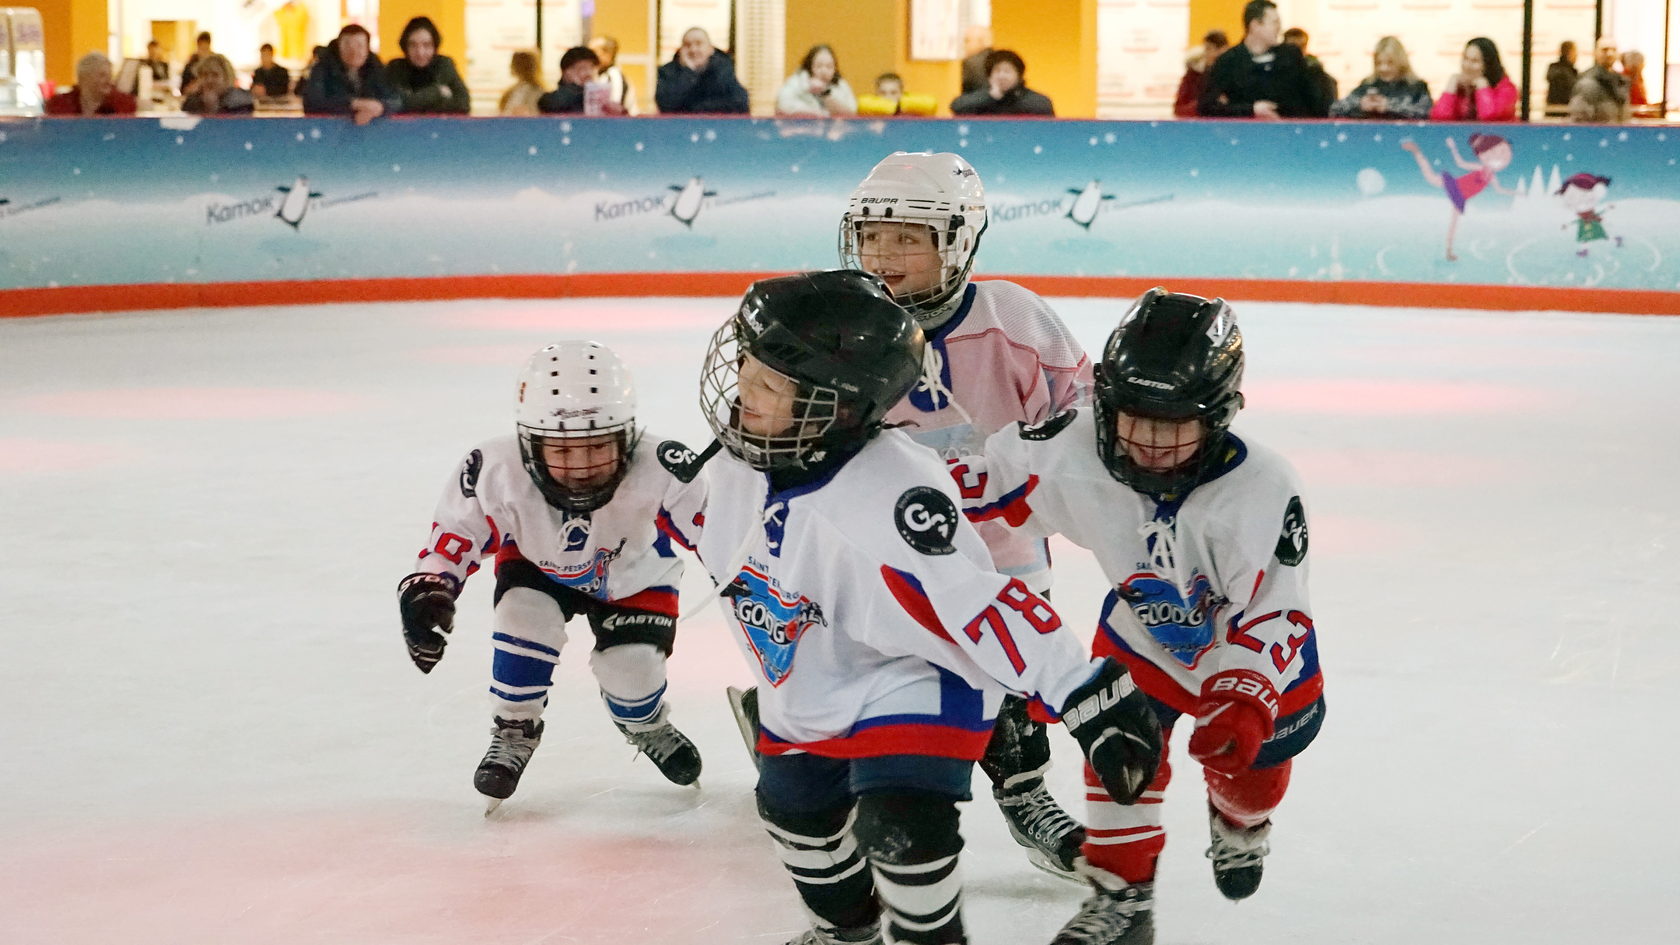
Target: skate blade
(490, 805)
(744, 723)
(1043, 862)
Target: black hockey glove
(1117, 730)
(427, 602)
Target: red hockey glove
(1236, 714)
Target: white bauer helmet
(570, 390)
(942, 191)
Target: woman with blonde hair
(214, 91)
(521, 97)
(1391, 91)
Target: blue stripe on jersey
(520, 671)
(526, 697)
(1309, 661)
(525, 644)
(639, 710)
(961, 706)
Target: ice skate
(1124, 916)
(866, 935)
(1051, 837)
(743, 704)
(511, 745)
(1238, 856)
(670, 750)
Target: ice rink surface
(209, 731)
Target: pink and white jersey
(1214, 581)
(1003, 358)
(868, 608)
(619, 551)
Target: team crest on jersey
(1292, 542)
(1048, 427)
(589, 577)
(1184, 628)
(469, 473)
(773, 622)
(926, 520)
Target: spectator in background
(1006, 91)
(1481, 91)
(817, 88)
(1258, 78)
(348, 79)
(890, 86)
(521, 98)
(1391, 91)
(1560, 79)
(578, 68)
(1324, 86)
(154, 60)
(95, 91)
(699, 80)
(1633, 66)
(426, 82)
(977, 45)
(889, 98)
(203, 52)
(606, 50)
(216, 93)
(1196, 66)
(1601, 94)
(270, 80)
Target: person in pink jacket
(1481, 91)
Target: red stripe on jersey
(669, 528)
(494, 545)
(910, 596)
(1163, 688)
(659, 600)
(1012, 506)
(938, 741)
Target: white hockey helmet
(940, 190)
(571, 390)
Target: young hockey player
(883, 638)
(581, 523)
(1203, 537)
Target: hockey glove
(427, 602)
(1236, 714)
(1118, 731)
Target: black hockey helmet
(1174, 356)
(848, 350)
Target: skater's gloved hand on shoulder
(1236, 714)
(1117, 730)
(427, 602)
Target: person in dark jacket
(1560, 79)
(427, 83)
(699, 80)
(1392, 91)
(1258, 77)
(270, 80)
(1196, 68)
(579, 66)
(1006, 91)
(977, 45)
(348, 79)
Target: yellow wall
(1058, 41)
(449, 15)
(1215, 15)
(73, 29)
(857, 30)
(626, 21)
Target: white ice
(209, 732)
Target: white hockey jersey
(868, 608)
(1003, 358)
(1211, 582)
(620, 552)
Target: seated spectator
(348, 79)
(270, 80)
(889, 98)
(817, 89)
(1601, 94)
(1196, 66)
(1481, 91)
(1633, 66)
(1258, 77)
(521, 98)
(977, 45)
(699, 80)
(154, 60)
(1324, 86)
(579, 67)
(1391, 91)
(214, 92)
(204, 52)
(1560, 79)
(95, 91)
(427, 83)
(1006, 91)
(606, 50)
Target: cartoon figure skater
(1493, 155)
(1582, 193)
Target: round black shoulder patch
(1292, 542)
(469, 473)
(1049, 427)
(927, 520)
(679, 460)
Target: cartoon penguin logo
(1087, 202)
(689, 198)
(296, 203)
